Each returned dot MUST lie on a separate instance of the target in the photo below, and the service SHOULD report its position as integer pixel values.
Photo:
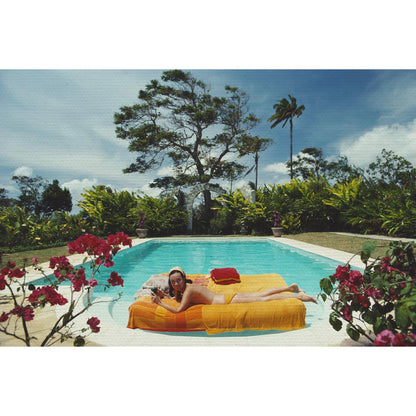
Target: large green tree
(286, 111)
(31, 189)
(309, 162)
(392, 169)
(55, 198)
(179, 120)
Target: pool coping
(317, 335)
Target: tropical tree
(341, 171)
(55, 198)
(255, 145)
(391, 169)
(31, 189)
(309, 162)
(5, 201)
(285, 111)
(180, 120)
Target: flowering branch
(383, 298)
(14, 279)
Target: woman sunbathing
(188, 294)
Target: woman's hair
(178, 296)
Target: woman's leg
(292, 288)
(241, 297)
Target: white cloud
(399, 138)
(76, 187)
(279, 168)
(150, 191)
(166, 171)
(23, 171)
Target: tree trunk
(291, 149)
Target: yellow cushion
(285, 314)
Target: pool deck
(317, 335)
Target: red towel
(225, 276)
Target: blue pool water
(138, 263)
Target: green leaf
(323, 296)
(326, 285)
(79, 341)
(335, 322)
(368, 317)
(353, 333)
(369, 247)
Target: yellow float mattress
(285, 314)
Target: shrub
(379, 304)
(163, 215)
(108, 211)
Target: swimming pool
(248, 256)
(201, 255)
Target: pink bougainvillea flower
(398, 340)
(119, 238)
(342, 273)
(108, 263)
(411, 338)
(2, 282)
(115, 279)
(93, 323)
(346, 313)
(26, 312)
(374, 293)
(4, 317)
(355, 277)
(35, 260)
(93, 282)
(17, 273)
(363, 300)
(384, 338)
(50, 295)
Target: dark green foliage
(54, 198)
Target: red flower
(119, 238)
(4, 317)
(398, 340)
(50, 295)
(2, 282)
(108, 263)
(115, 279)
(93, 283)
(79, 280)
(342, 273)
(26, 312)
(346, 313)
(93, 323)
(374, 293)
(11, 264)
(356, 277)
(363, 300)
(384, 338)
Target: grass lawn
(349, 244)
(25, 257)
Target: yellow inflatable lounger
(285, 314)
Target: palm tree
(285, 111)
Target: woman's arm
(186, 300)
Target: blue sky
(59, 123)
